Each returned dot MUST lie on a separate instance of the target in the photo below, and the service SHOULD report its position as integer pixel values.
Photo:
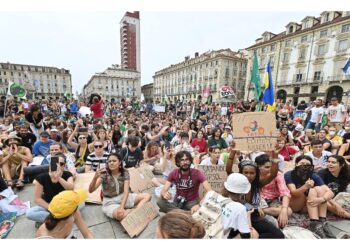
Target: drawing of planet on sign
(254, 129)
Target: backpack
(294, 232)
(210, 216)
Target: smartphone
(82, 130)
(53, 163)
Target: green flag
(16, 89)
(256, 77)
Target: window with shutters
(304, 39)
(302, 53)
(323, 33)
(345, 28)
(299, 77)
(317, 75)
(321, 50)
(343, 45)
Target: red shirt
(287, 151)
(97, 109)
(203, 145)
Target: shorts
(274, 202)
(111, 204)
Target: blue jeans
(39, 213)
(311, 125)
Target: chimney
(187, 58)
(196, 54)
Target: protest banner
(216, 176)
(254, 131)
(141, 178)
(83, 181)
(135, 222)
(159, 108)
(226, 91)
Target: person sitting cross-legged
(117, 201)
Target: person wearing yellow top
(335, 139)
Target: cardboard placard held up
(83, 181)
(135, 222)
(254, 131)
(141, 178)
(216, 176)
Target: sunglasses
(98, 146)
(82, 138)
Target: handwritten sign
(141, 178)
(226, 91)
(135, 222)
(83, 181)
(254, 131)
(216, 176)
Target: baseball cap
(237, 183)
(228, 126)
(54, 130)
(299, 128)
(66, 202)
(44, 133)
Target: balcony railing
(338, 78)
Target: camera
(180, 202)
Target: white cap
(237, 183)
(299, 128)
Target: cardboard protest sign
(254, 131)
(141, 178)
(83, 181)
(135, 222)
(216, 176)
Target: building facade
(115, 82)
(147, 91)
(213, 69)
(130, 41)
(39, 81)
(306, 59)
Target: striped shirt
(94, 161)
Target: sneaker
(317, 228)
(326, 229)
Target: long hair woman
(179, 224)
(337, 177)
(64, 213)
(309, 193)
(117, 201)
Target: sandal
(19, 184)
(10, 183)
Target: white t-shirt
(233, 215)
(335, 113)
(319, 161)
(223, 110)
(315, 113)
(207, 162)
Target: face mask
(304, 173)
(331, 133)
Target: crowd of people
(303, 173)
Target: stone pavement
(100, 225)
